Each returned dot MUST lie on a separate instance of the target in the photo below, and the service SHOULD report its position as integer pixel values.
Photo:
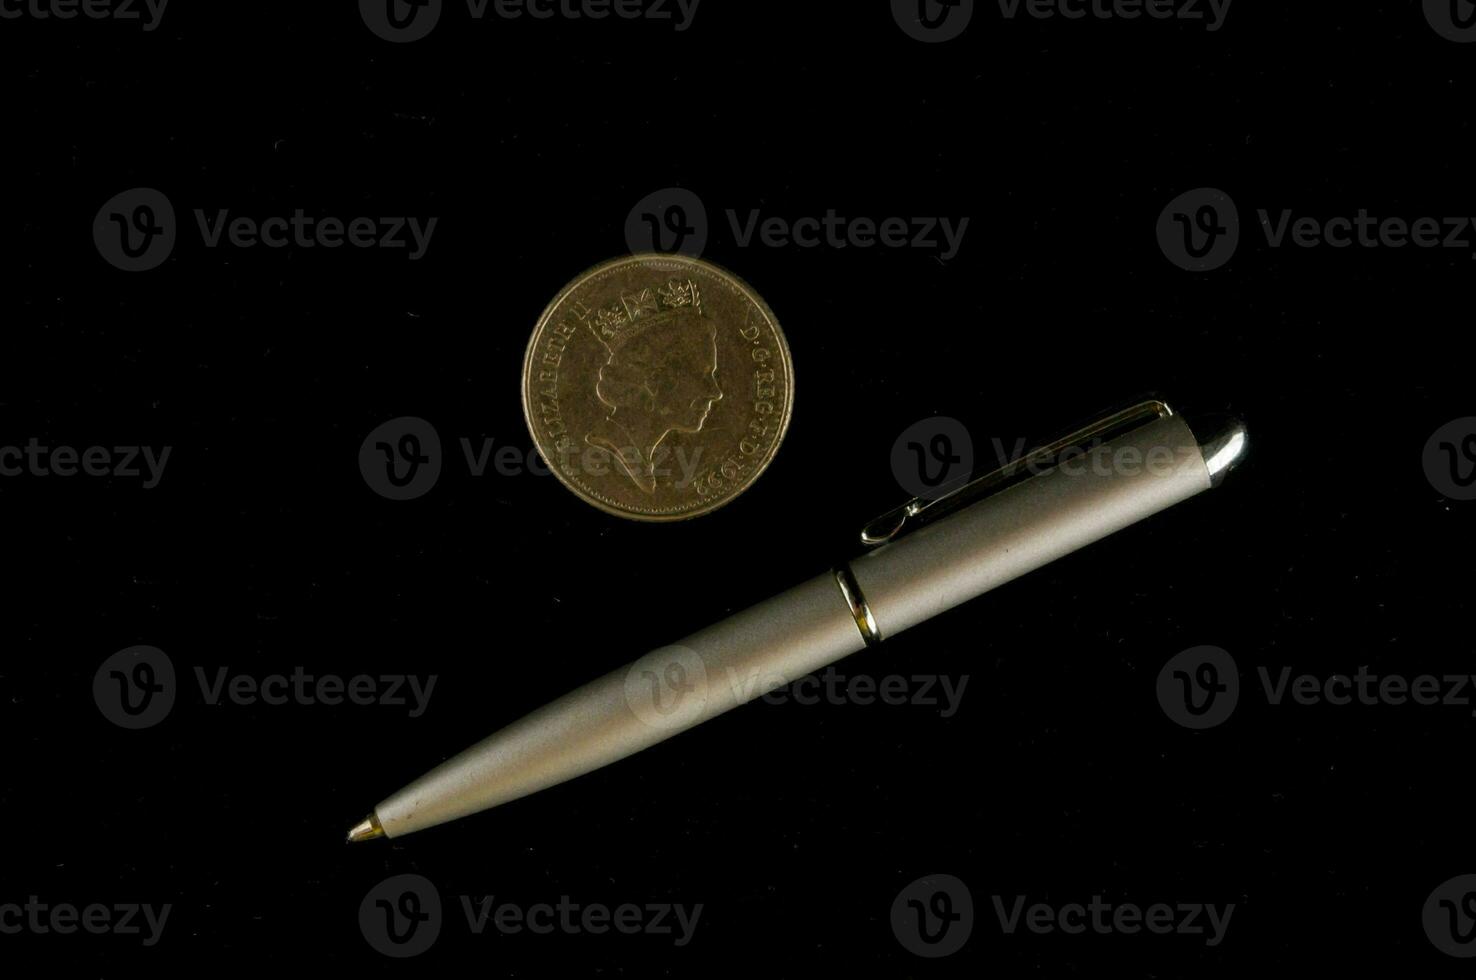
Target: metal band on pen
(865, 622)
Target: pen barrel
(665, 692)
(1082, 499)
(1077, 501)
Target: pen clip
(919, 510)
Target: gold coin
(658, 387)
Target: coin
(658, 387)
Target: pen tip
(366, 829)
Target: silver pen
(927, 557)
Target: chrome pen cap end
(1223, 443)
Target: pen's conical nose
(366, 829)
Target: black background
(795, 826)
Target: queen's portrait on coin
(660, 377)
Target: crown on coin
(615, 325)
